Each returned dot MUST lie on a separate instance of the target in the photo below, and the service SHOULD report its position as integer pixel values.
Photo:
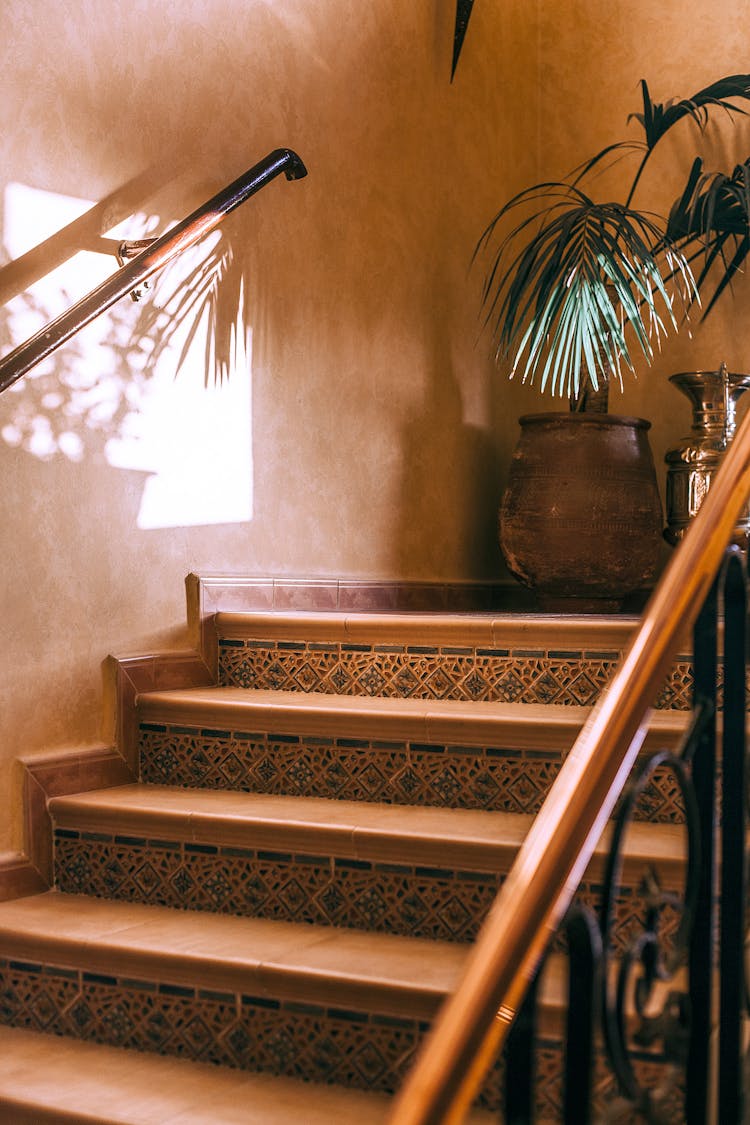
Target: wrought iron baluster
(647, 964)
(520, 1070)
(733, 861)
(646, 969)
(584, 981)
(702, 942)
(584, 972)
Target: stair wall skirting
(19, 877)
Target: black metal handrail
(158, 253)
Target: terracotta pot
(581, 519)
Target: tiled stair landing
(291, 885)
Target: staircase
(258, 920)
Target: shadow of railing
(84, 233)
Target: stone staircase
(287, 883)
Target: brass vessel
(692, 464)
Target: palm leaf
(576, 289)
(657, 118)
(566, 282)
(711, 221)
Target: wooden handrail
(474, 1022)
(160, 251)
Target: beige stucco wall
(380, 434)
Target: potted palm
(576, 292)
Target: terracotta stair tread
(519, 725)
(49, 1080)
(473, 839)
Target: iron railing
(154, 255)
(653, 993)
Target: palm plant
(577, 287)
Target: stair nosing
(407, 834)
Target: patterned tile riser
(441, 904)
(417, 672)
(355, 1049)
(402, 773)
(305, 1041)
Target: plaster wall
(372, 452)
(380, 432)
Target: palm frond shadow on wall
(212, 294)
(92, 389)
(69, 405)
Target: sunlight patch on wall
(194, 441)
(102, 395)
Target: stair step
(419, 872)
(481, 755)
(309, 1002)
(513, 658)
(48, 1080)
(343, 969)
(433, 720)
(466, 838)
(604, 632)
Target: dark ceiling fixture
(463, 14)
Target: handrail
(162, 250)
(474, 1022)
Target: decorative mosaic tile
(400, 773)
(439, 903)
(419, 901)
(419, 672)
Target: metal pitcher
(692, 464)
